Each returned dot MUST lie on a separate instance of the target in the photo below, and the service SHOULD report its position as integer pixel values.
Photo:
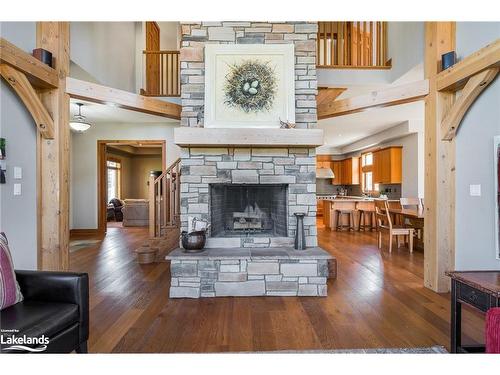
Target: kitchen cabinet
(319, 207)
(350, 171)
(387, 165)
(337, 167)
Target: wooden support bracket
(474, 86)
(19, 82)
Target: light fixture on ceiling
(79, 122)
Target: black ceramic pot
(193, 242)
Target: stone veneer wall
(293, 166)
(196, 34)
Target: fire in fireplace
(243, 210)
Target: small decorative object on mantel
(43, 55)
(300, 236)
(448, 59)
(286, 124)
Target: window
(367, 184)
(366, 159)
(114, 178)
(368, 181)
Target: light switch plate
(17, 189)
(18, 173)
(475, 190)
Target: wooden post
(152, 207)
(53, 156)
(439, 192)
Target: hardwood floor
(377, 301)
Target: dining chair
(414, 204)
(384, 221)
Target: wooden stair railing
(352, 45)
(164, 200)
(161, 75)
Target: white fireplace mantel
(210, 137)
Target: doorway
(123, 175)
(152, 59)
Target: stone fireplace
(249, 183)
(249, 194)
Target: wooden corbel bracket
(19, 82)
(474, 86)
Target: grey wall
(106, 51)
(18, 213)
(406, 46)
(475, 225)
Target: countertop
(347, 198)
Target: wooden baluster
(178, 74)
(151, 206)
(384, 35)
(359, 49)
(324, 43)
(318, 43)
(171, 75)
(378, 43)
(370, 60)
(339, 43)
(177, 190)
(163, 198)
(333, 57)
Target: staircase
(164, 212)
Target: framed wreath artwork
(249, 85)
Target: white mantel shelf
(217, 137)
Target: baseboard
(85, 233)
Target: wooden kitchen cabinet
(337, 167)
(319, 207)
(387, 165)
(350, 171)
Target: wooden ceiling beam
(39, 74)
(385, 97)
(19, 82)
(96, 93)
(455, 77)
(472, 89)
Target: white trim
(288, 77)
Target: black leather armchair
(56, 304)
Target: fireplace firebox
(248, 210)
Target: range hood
(324, 173)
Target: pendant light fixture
(79, 122)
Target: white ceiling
(343, 130)
(96, 113)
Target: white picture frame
(219, 57)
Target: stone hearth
(249, 272)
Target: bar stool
(339, 226)
(362, 226)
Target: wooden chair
(415, 204)
(385, 224)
